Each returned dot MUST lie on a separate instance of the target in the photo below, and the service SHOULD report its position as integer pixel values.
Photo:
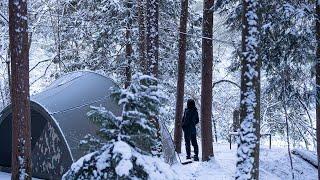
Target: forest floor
(274, 165)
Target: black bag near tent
(59, 121)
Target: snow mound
(156, 168)
(118, 160)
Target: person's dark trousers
(188, 137)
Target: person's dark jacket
(189, 121)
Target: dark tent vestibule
(59, 121)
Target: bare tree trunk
(59, 37)
(206, 84)
(30, 41)
(128, 44)
(2, 96)
(181, 74)
(215, 132)
(236, 121)
(318, 83)
(248, 148)
(56, 27)
(142, 36)
(21, 122)
(152, 37)
(288, 138)
(9, 74)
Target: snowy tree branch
(40, 62)
(225, 81)
(4, 18)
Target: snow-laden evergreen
(130, 142)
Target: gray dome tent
(59, 121)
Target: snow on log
(308, 156)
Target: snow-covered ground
(274, 164)
(7, 176)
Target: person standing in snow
(189, 121)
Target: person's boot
(195, 158)
(188, 157)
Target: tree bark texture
(152, 38)
(21, 121)
(128, 44)
(181, 74)
(236, 121)
(206, 83)
(142, 35)
(249, 134)
(288, 138)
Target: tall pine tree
(128, 42)
(206, 83)
(248, 148)
(142, 35)
(152, 37)
(181, 74)
(20, 97)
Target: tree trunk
(249, 136)
(215, 132)
(236, 121)
(142, 36)
(21, 121)
(128, 44)
(59, 38)
(152, 36)
(9, 75)
(206, 83)
(318, 83)
(288, 138)
(3, 98)
(181, 74)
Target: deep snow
(274, 165)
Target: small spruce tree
(131, 140)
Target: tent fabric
(59, 121)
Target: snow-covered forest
(100, 89)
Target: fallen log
(308, 156)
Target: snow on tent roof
(59, 121)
